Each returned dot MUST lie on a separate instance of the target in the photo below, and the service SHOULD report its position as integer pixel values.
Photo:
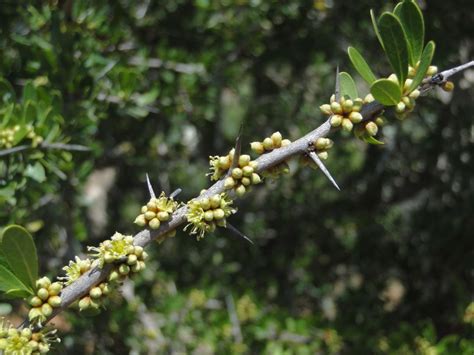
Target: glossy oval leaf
(386, 92)
(348, 86)
(412, 21)
(425, 62)
(10, 283)
(7, 93)
(361, 65)
(19, 251)
(376, 27)
(372, 140)
(395, 44)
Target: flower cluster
(8, 136)
(204, 214)
(26, 341)
(157, 210)
(46, 298)
(269, 143)
(76, 269)
(220, 165)
(275, 141)
(95, 298)
(242, 176)
(344, 112)
(119, 247)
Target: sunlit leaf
(19, 251)
(9, 282)
(361, 65)
(425, 62)
(412, 21)
(376, 27)
(395, 44)
(348, 87)
(386, 92)
(36, 172)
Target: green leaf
(412, 21)
(19, 250)
(361, 65)
(18, 293)
(29, 92)
(11, 283)
(348, 87)
(7, 93)
(29, 112)
(36, 172)
(395, 45)
(398, 9)
(376, 27)
(425, 62)
(386, 92)
(372, 140)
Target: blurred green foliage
(156, 87)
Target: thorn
(321, 166)
(175, 193)
(150, 188)
(238, 233)
(237, 150)
(337, 92)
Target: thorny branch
(81, 286)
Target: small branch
(234, 319)
(45, 145)
(82, 285)
(450, 72)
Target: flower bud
(246, 181)
(132, 259)
(138, 250)
(244, 160)
(332, 98)
(35, 301)
(357, 104)
(432, 70)
(140, 220)
(371, 128)
(43, 348)
(255, 178)
(400, 107)
(237, 173)
(54, 301)
(336, 108)
(347, 125)
(284, 143)
(95, 292)
(321, 143)
(109, 258)
(323, 155)
(336, 120)
(229, 183)
(448, 86)
(411, 71)
(347, 106)
(35, 314)
(114, 276)
(268, 144)
(326, 109)
(84, 303)
(414, 94)
(149, 215)
(218, 213)
(208, 215)
(247, 171)
(46, 309)
(240, 191)
(393, 78)
(43, 294)
(379, 121)
(407, 84)
(163, 216)
(26, 332)
(44, 282)
(257, 147)
(154, 223)
(124, 269)
(368, 98)
(276, 139)
(355, 117)
(215, 201)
